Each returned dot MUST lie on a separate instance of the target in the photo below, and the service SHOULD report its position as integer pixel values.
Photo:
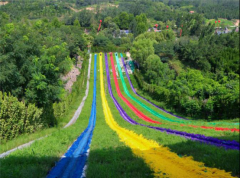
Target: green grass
(223, 21)
(187, 7)
(208, 154)
(207, 132)
(109, 157)
(36, 160)
(62, 121)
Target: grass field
(224, 22)
(210, 155)
(109, 157)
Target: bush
(16, 118)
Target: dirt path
(3, 3)
(75, 10)
(236, 23)
(93, 8)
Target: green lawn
(208, 154)
(224, 22)
(109, 157)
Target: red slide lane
(135, 110)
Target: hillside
(73, 103)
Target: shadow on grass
(30, 166)
(111, 162)
(210, 155)
(119, 162)
(116, 162)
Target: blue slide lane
(73, 162)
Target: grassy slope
(36, 160)
(207, 132)
(108, 156)
(5, 146)
(224, 21)
(210, 155)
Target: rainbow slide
(197, 137)
(161, 160)
(156, 113)
(129, 80)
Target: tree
(101, 41)
(76, 23)
(152, 66)
(84, 18)
(107, 21)
(133, 27)
(141, 49)
(142, 25)
(56, 23)
(123, 20)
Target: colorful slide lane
(133, 89)
(157, 114)
(197, 137)
(129, 80)
(134, 109)
(73, 162)
(163, 162)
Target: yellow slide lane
(161, 160)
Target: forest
(187, 68)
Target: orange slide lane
(135, 110)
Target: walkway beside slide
(73, 162)
(72, 121)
